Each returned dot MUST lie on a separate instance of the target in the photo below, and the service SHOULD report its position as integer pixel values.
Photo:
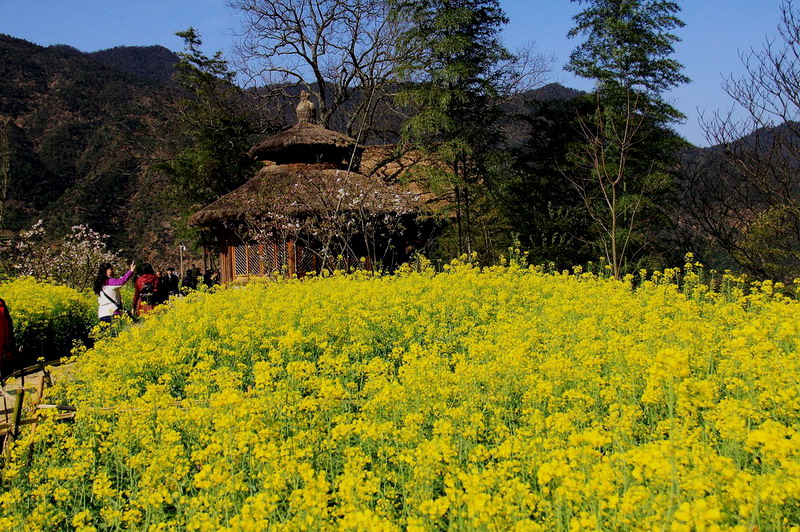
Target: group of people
(151, 288)
(193, 278)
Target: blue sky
(716, 32)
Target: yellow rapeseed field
(503, 398)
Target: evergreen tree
(621, 163)
(538, 207)
(458, 71)
(217, 124)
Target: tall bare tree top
(342, 51)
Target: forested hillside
(149, 62)
(82, 138)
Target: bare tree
(620, 165)
(342, 51)
(745, 195)
(613, 200)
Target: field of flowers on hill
(496, 399)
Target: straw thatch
(279, 191)
(306, 143)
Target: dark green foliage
(219, 124)
(536, 204)
(456, 74)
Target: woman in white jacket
(106, 286)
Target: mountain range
(84, 130)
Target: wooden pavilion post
(291, 258)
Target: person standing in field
(170, 282)
(190, 280)
(147, 293)
(210, 278)
(8, 347)
(107, 287)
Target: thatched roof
(287, 190)
(305, 143)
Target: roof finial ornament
(306, 113)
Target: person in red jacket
(8, 348)
(147, 293)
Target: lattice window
(283, 259)
(268, 257)
(254, 260)
(306, 261)
(240, 259)
(273, 257)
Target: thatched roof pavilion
(307, 142)
(309, 172)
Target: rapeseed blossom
(48, 318)
(503, 398)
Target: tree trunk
(468, 224)
(458, 221)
